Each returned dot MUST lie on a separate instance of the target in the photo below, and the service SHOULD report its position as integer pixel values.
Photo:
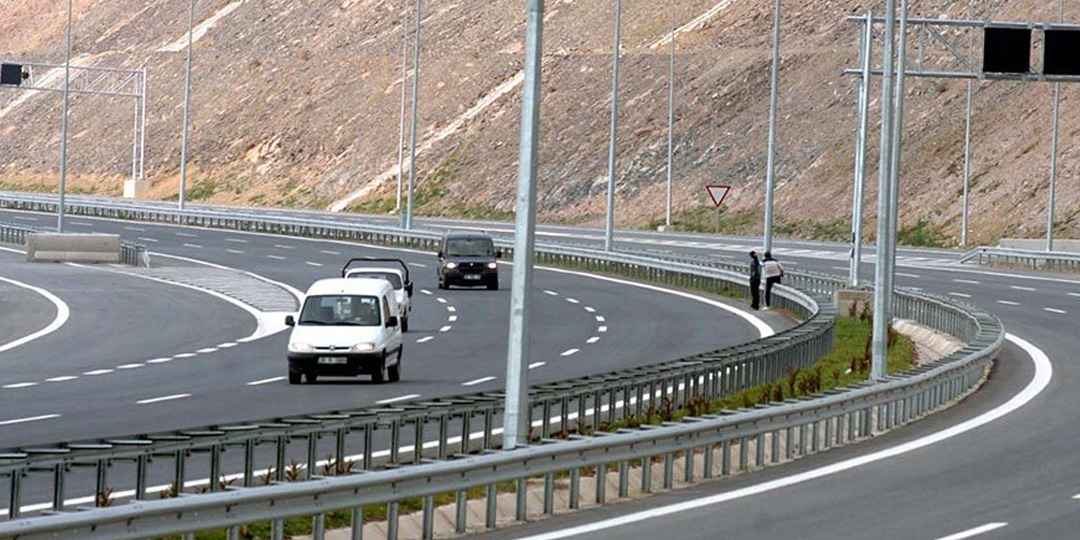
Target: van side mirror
(440, 255)
(290, 321)
(392, 322)
(498, 254)
(409, 288)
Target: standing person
(755, 281)
(773, 273)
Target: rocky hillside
(296, 104)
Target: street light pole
(609, 229)
(401, 115)
(671, 119)
(897, 151)
(860, 152)
(516, 415)
(412, 128)
(1052, 203)
(64, 126)
(770, 167)
(882, 273)
(187, 108)
(967, 138)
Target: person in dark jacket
(773, 273)
(755, 281)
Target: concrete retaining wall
(82, 248)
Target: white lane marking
(330, 252)
(481, 380)
(282, 246)
(570, 352)
(25, 218)
(98, 372)
(130, 366)
(62, 315)
(535, 365)
(960, 295)
(590, 309)
(602, 329)
(451, 309)
(135, 229)
(452, 318)
(592, 340)
(1052, 310)
(235, 251)
(184, 355)
(425, 291)
(266, 381)
(974, 532)
(193, 246)
(1076, 497)
(425, 339)
(30, 419)
(236, 240)
(968, 281)
(159, 361)
(551, 293)
(228, 345)
(145, 239)
(186, 235)
(916, 276)
(573, 300)
(1019, 288)
(445, 328)
(1044, 371)
(162, 398)
(315, 264)
(441, 300)
(397, 399)
(20, 385)
(600, 318)
(1008, 303)
(275, 257)
(418, 265)
(64, 378)
(207, 350)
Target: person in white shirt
(773, 273)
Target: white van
(399, 280)
(346, 327)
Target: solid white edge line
(1043, 373)
(63, 313)
(974, 532)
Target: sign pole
(609, 228)
(64, 126)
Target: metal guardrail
(131, 254)
(1046, 260)
(608, 398)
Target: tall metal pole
(142, 128)
(881, 268)
(770, 167)
(64, 126)
(671, 118)
(967, 138)
(609, 229)
(412, 123)
(897, 150)
(860, 152)
(1052, 203)
(187, 108)
(401, 115)
(516, 415)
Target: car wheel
(405, 324)
(294, 377)
(382, 374)
(395, 370)
(311, 377)
(494, 285)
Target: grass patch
(922, 234)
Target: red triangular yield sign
(718, 194)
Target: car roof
(373, 269)
(352, 286)
(467, 234)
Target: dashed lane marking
(1020, 288)
(452, 318)
(441, 300)
(235, 251)
(186, 235)
(330, 252)
(425, 339)
(451, 309)
(425, 291)
(162, 398)
(592, 340)
(236, 240)
(29, 419)
(184, 355)
(600, 318)
(130, 366)
(536, 365)
(602, 329)
(590, 309)
(228, 345)
(573, 300)
(315, 264)
(282, 246)
(960, 295)
(968, 281)
(193, 246)
(98, 372)
(145, 239)
(445, 328)
(418, 265)
(551, 293)
(570, 352)
(159, 361)
(206, 350)
(63, 378)
(1008, 303)
(1052, 310)
(275, 257)
(974, 532)
(475, 382)
(397, 399)
(266, 381)
(915, 276)
(20, 385)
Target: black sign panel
(1062, 52)
(11, 74)
(1007, 50)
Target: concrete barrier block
(861, 300)
(82, 248)
(1039, 244)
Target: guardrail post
(491, 513)
(428, 518)
(601, 483)
(669, 470)
(318, 527)
(549, 494)
(418, 440)
(489, 421)
(461, 514)
(140, 477)
(279, 458)
(249, 462)
(466, 426)
(369, 440)
(101, 482)
(575, 488)
(395, 441)
(521, 493)
(312, 455)
(356, 523)
(59, 473)
(392, 523)
(759, 450)
(646, 474)
(725, 459)
(15, 494)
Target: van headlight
(493, 265)
(451, 265)
(363, 347)
(301, 348)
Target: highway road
(996, 466)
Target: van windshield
(341, 310)
(393, 278)
(470, 247)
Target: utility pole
(967, 137)
(187, 107)
(882, 273)
(401, 115)
(860, 152)
(609, 229)
(1052, 203)
(671, 119)
(64, 126)
(770, 167)
(516, 416)
(412, 128)
(897, 151)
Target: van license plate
(333, 360)
(472, 277)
